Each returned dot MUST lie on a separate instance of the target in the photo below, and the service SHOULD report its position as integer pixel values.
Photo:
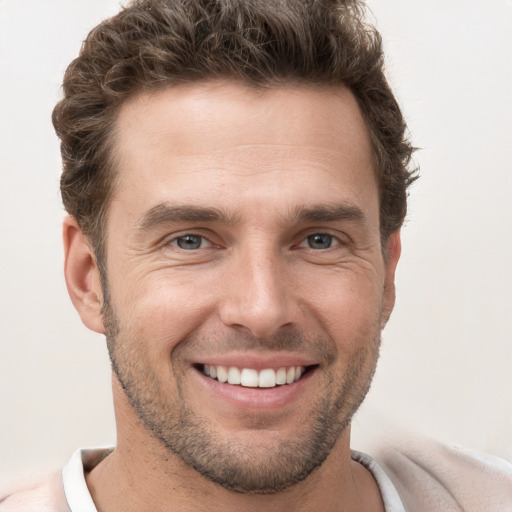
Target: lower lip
(256, 399)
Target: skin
(276, 167)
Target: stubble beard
(264, 467)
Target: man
(235, 175)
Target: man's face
(243, 236)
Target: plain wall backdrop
(446, 366)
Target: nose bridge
(258, 297)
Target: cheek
(349, 308)
(162, 310)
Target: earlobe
(82, 276)
(393, 251)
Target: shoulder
(431, 476)
(43, 495)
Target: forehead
(219, 141)
(213, 110)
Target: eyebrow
(165, 213)
(329, 213)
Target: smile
(251, 378)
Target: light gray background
(446, 367)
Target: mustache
(320, 348)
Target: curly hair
(153, 44)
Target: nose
(259, 295)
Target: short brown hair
(266, 43)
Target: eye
(319, 241)
(190, 242)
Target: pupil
(189, 242)
(320, 241)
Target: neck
(145, 477)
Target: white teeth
(222, 374)
(281, 376)
(267, 378)
(248, 377)
(233, 375)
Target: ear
(392, 255)
(82, 276)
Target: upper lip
(256, 361)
